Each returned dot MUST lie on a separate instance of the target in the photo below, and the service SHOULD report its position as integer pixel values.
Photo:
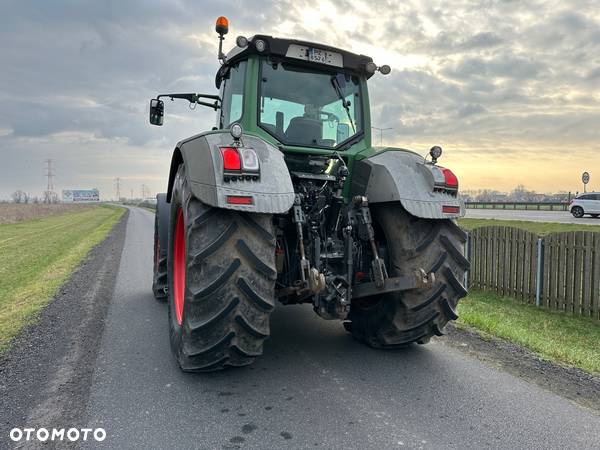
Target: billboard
(80, 195)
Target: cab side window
(232, 96)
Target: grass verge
(555, 336)
(37, 257)
(541, 228)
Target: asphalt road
(314, 387)
(530, 215)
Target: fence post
(540, 264)
(468, 254)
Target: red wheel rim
(179, 267)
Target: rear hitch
(418, 280)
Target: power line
(118, 187)
(381, 130)
(145, 191)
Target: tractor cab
(296, 94)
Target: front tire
(222, 274)
(398, 319)
(577, 212)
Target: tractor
(287, 200)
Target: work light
(435, 152)
(236, 130)
(260, 45)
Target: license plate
(316, 55)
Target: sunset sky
(509, 89)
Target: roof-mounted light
(260, 45)
(241, 42)
(222, 26)
(371, 67)
(385, 69)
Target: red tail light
(451, 180)
(444, 179)
(446, 209)
(239, 200)
(231, 159)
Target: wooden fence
(539, 206)
(560, 271)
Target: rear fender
(401, 175)
(273, 193)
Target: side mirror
(343, 132)
(157, 111)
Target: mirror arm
(194, 98)
(212, 97)
(214, 105)
(189, 97)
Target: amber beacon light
(222, 25)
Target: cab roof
(284, 48)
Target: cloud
(77, 76)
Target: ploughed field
(18, 212)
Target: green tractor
(287, 200)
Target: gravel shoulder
(46, 374)
(571, 383)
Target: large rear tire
(222, 274)
(396, 320)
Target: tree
(20, 196)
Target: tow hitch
(418, 280)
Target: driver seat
(305, 130)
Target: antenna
(49, 195)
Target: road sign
(585, 178)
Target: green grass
(554, 336)
(37, 257)
(541, 228)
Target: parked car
(586, 204)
